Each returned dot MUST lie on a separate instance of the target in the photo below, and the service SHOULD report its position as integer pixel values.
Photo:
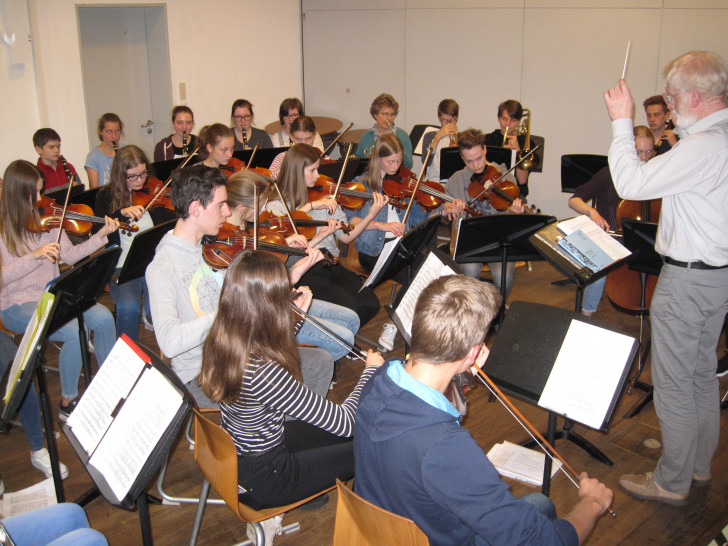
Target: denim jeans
(97, 319)
(56, 525)
(473, 270)
(593, 295)
(542, 503)
(128, 300)
(342, 321)
(29, 410)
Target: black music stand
(142, 251)
(333, 169)
(499, 238)
(263, 157)
(28, 356)
(137, 495)
(87, 197)
(59, 194)
(78, 289)
(578, 169)
(521, 365)
(406, 251)
(639, 237)
(163, 169)
(546, 243)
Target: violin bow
(288, 211)
(353, 348)
(333, 143)
(485, 190)
(250, 159)
(547, 448)
(343, 170)
(63, 214)
(417, 185)
(169, 180)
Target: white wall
(221, 49)
(555, 56)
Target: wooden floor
(637, 522)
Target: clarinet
(184, 143)
(65, 168)
(116, 146)
(245, 139)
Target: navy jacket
(416, 461)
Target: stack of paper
(520, 463)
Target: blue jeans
(341, 320)
(29, 410)
(473, 270)
(593, 295)
(128, 300)
(57, 525)
(97, 319)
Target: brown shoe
(701, 481)
(643, 486)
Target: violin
(352, 195)
(231, 240)
(501, 193)
(236, 165)
(305, 225)
(429, 196)
(78, 219)
(147, 196)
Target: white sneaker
(42, 461)
(271, 528)
(386, 340)
(2, 488)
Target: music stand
(639, 237)
(263, 157)
(28, 358)
(404, 254)
(142, 251)
(163, 169)
(499, 238)
(77, 290)
(59, 194)
(578, 169)
(521, 365)
(546, 243)
(87, 197)
(333, 169)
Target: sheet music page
(92, 417)
(136, 430)
(586, 373)
(383, 256)
(418, 148)
(520, 463)
(606, 242)
(431, 269)
(36, 496)
(30, 339)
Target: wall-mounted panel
(350, 58)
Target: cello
(623, 286)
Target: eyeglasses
(136, 177)
(669, 99)
(242, 118)
(292, 116)
(388, 115)
(446, 121)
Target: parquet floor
(637, 522)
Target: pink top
(24, 278)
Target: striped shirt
(268, 393)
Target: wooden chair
(216, 456)
(360, 523)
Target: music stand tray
(142, 250)
(263, 157)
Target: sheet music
(586, 373)
(30, 339)
(606, 242)
(92, 417)
(418, 148)
(431, 269)
(520, 463)
(36, 496)
(389, 246)
(135, 431)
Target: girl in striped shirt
(250, 366)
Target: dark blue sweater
(416, 461)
